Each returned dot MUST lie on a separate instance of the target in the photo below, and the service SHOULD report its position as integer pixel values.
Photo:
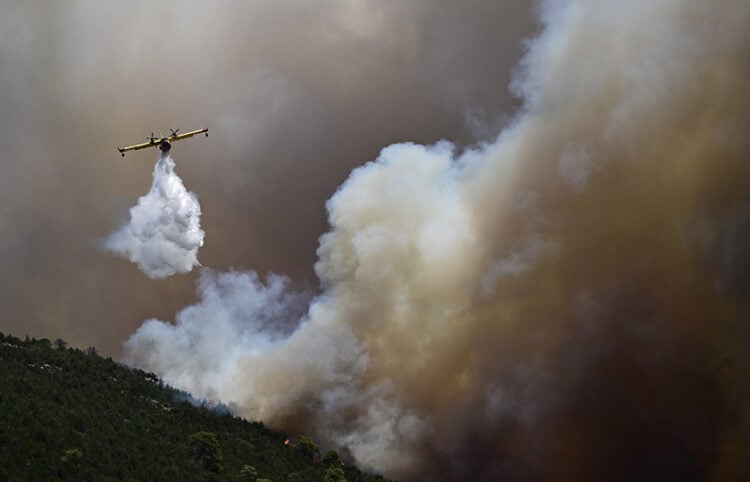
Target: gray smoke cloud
(566, 300)
(163, 233)
(296, 96)
(560, 303)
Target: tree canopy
(67, 414)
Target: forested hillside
(66, 414)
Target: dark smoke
(566, 300)
(562, 303)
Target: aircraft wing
(179, 137)
(135, 147)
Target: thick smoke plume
(164, 232)
(567, 302)
(297, 95)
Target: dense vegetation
(67, 414)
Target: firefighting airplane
(164, 142)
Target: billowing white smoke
(469, 297)
(163, 234)
(400, 229)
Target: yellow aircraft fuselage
(163, 142)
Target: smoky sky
(510, 239)
(295, 93)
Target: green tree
(205, 448)
(248, 472)
(330, 458)
(70, 467)
(78, 416)
(334, 473)
(72, 456)
(306, 447)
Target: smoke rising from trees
(566, 300)
(561, 303)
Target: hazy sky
(295, 93)
(558, 291)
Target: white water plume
(163, 234)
